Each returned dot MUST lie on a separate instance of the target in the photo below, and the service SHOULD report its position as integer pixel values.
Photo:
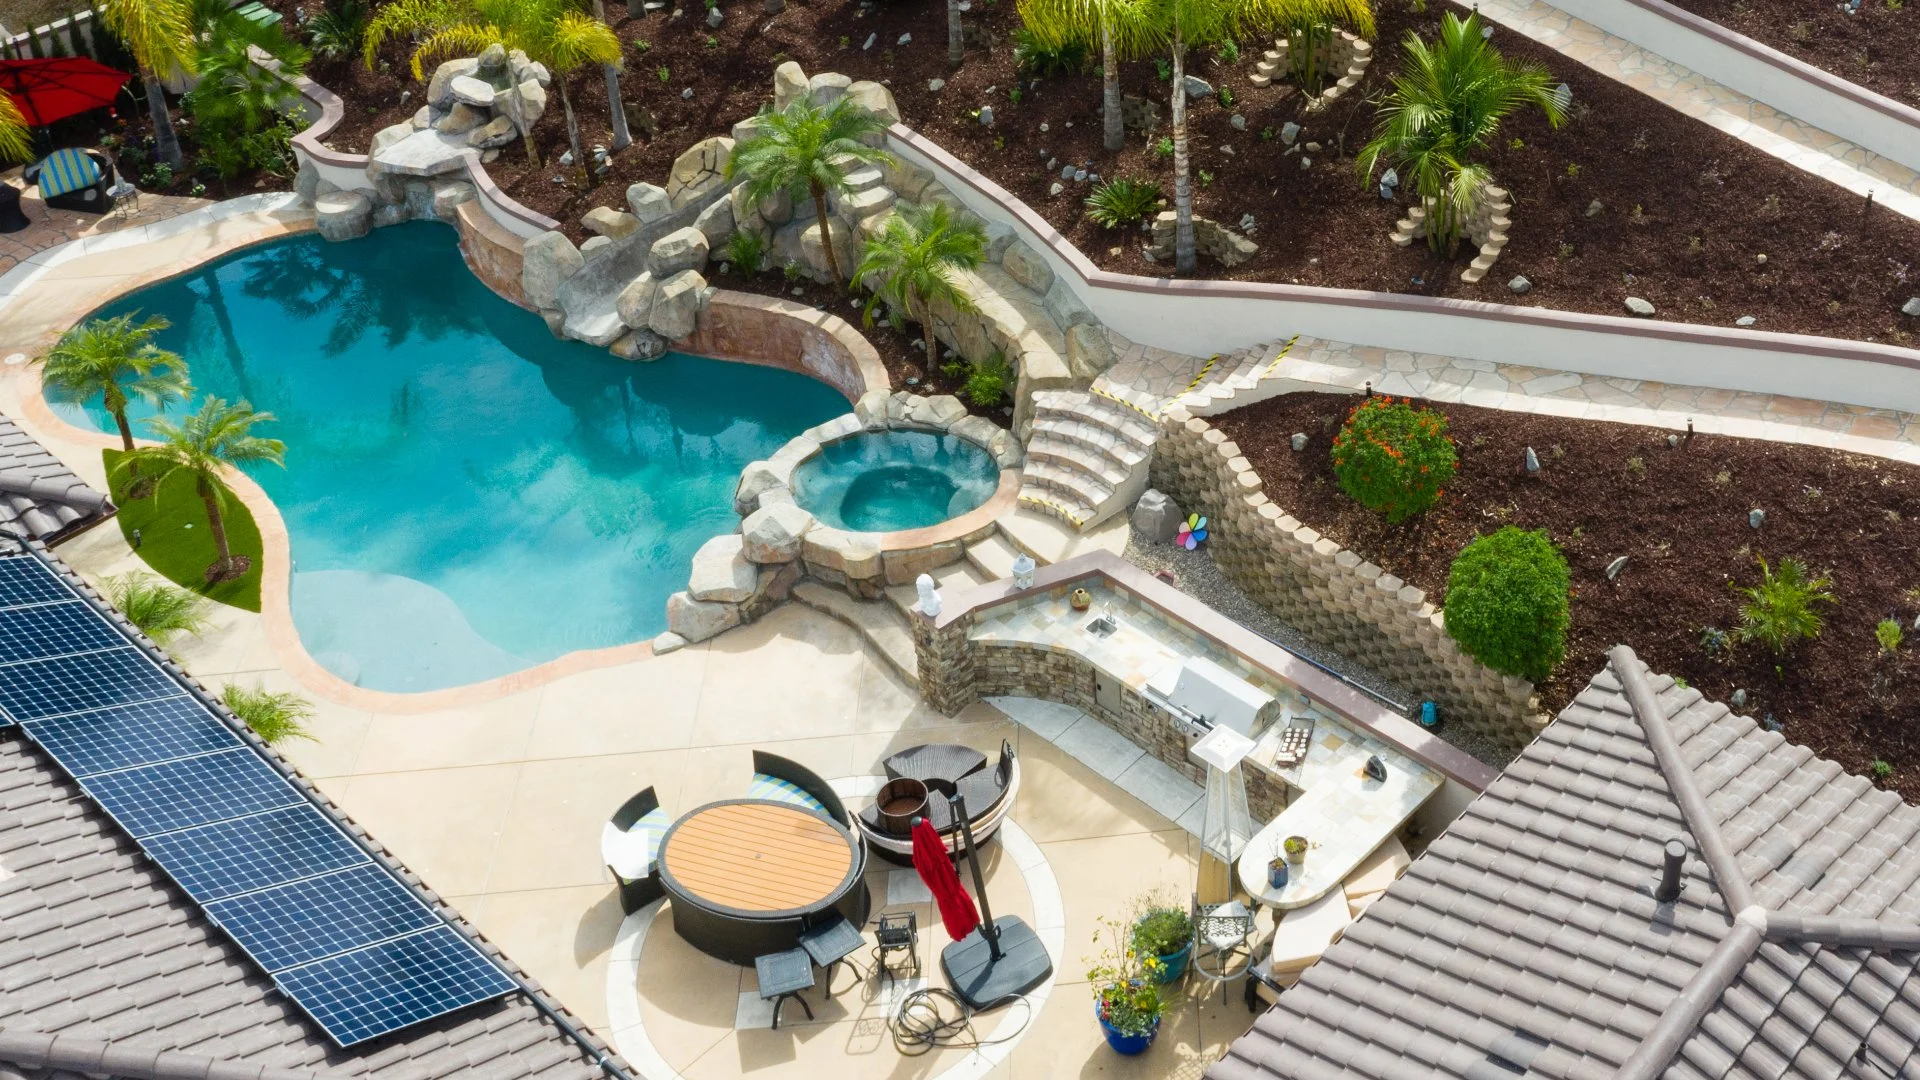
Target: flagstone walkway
(51, 228)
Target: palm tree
(616, 111)
(574, 40)
(1189, 23)
(204, 446)
(114, 358)
(910, 265)
(15, 143)
(1446, 102)
(1127, 29)
(956, 38)
(808, 148)
(159, 34)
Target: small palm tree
(1447, 102)
(203, 446)
(805, 148)
(910, 265)
(1127, 30)
(274, 717)
(15, 143)
(159, 34)
(161, 611)
(114, 358)
(1779, 611)
(574, 40)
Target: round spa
(890, 481)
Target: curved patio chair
(74, 179)
(775, 777)
(639, 820)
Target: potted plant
(1296, 849)
(1126, 991)
(1276, 873)
(1165, 933)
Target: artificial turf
(177, 543)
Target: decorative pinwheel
(1192, 532)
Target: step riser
(1138, 435)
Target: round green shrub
(1392, 458)
(1507, 602)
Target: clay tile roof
(107, 969)
(39, 496)
(1527, 940)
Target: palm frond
(159, 33)
(579, 39)
(15, 142)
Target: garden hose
(921, 1023)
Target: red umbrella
(49, 90)
(936, 869)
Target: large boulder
(827, 87)
(648, 202)
(699, 170)
(676, 308)
(1024, 265)
(1155, 517)
(758, 478)
(608, 222)
(716, 223)
(533, 102)
(385, 139)
(871, 409)
(1088, 351)
(447, 197)
(940, 411)
(789, 85)
(698, 620)
(493, 135)
(836, 554)
(721, 571)
(461, 119)
(772, 533)
(635, 302)
(343, 215)
(639, 344)
(473, 91)
(876, 99)
(548, 260)
(440, 87)
(681, 249)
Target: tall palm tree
(616, 111)
(1447, 102)
(956, 37)
(1190, 23)
(1127, 29)
(113, 358)
(576, 39)
(910, 265)
(159, 34)
(805, 148)
(203, 446)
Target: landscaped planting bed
(1685, 212)
(1680, 517)
(1876, 46)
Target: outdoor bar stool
(832, 942)
(1222, 935)
(897, 931)
(784, 975)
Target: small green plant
(1780, 611)
(747, 251)
(1031, 54)
(1882, 769)
(987, 383)
(1392, 458)
(794, 272)
(1014, 94)
(274, 717)
(712, 42)
(1122, 201)
(1163, 148)
(663, 73)
(846, 42)
(1162, 930)
(1229, 52)
(1267, 134)
(1637, 467)
(1295, 845)
(957, 368)
(161, 611)
(1125, 984)
(1516, 144)
(1682, 683)
(1507, 602)
(1889, 635)
(159, 176)
(1225, 94)
(1573, 170)
(1206, 177)
(1715, 640)
(1565, 250)
(1163, 68)
(338, 30)
(641, 44)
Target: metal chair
(1222, 942)
(784, 975)
(897, 931)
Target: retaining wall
(770, 331)
(1330, 594)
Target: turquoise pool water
(890, 480)
(466, 495)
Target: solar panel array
(340, 936)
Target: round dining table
(747, 876)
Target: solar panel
(57, 629)
(122, 736)
(191, 791)
(24, 580)
(228, 858)
(365, 994)
(309, 920)
(66, 684)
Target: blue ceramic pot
(1121, 1042)
(1173, 965)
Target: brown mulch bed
(1679, 514)
(1686, 211)
(1877, 47)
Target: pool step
(1050, 540)
(947, 579)
(1088, 455)
(879, 622)
(993, 557)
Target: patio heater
(1227, 825)
(1002, 957)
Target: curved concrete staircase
(1088, 456)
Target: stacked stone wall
(1330, 594)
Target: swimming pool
(466, 495)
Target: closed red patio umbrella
(936, 869)
(54, 89)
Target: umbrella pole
(1001, 959)
(987, 929)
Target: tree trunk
(956, 42)
(573, 128)
(933, 343)
(1182, 187)
(166, 145)
(517, 112)
(622, 138)
(826, 231)
(1115, 120)
(126, 431)
(211, 498)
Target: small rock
(1638, 306)
(1738, 699)
(1673, 440)
(1298, 441)
(1289, 131)
(1043, 127)
(1911, 307)
(1756, 517)
(1056, 188)
(1226, 149)
(687, 94)
(1313, 148)
(986, 115)
(1066, 172)
(1745, 320)
(1054, 163)
(934, 86)
(1761, 258)
(1594, 208)
(566, 158)
(905, 39)
(1306, 162)
(1532, 462)
(1079, 176)
(871, 38)
(1614, 567)
(1238, 122)
(715, 18)
(1519, 284)
(667, 642)
(1156, 517)
(1197, 87)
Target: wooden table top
(758, 856)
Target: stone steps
(993, 557)
(1088, 455)
(905, 598)
(878, 621)
(1049, 539)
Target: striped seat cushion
(652, 825)
(67, 170)
(772, 787)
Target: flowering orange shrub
(1393, 458)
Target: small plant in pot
(1165, 933)
(1296, 849)
(1126, 990)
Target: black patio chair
(91, 198)
(636, 893)
(806, 780)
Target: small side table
(12, 218)
(784, 975)
(830, 944)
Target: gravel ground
(1201, 579)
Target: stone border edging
(1200, 316)
(733, 320)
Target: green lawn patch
(177, 543)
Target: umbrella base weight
(984, 982)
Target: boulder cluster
(488, 100)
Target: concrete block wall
(1331, 594)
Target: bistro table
(748, 877)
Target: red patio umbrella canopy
(936, 869)
(49, 90)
